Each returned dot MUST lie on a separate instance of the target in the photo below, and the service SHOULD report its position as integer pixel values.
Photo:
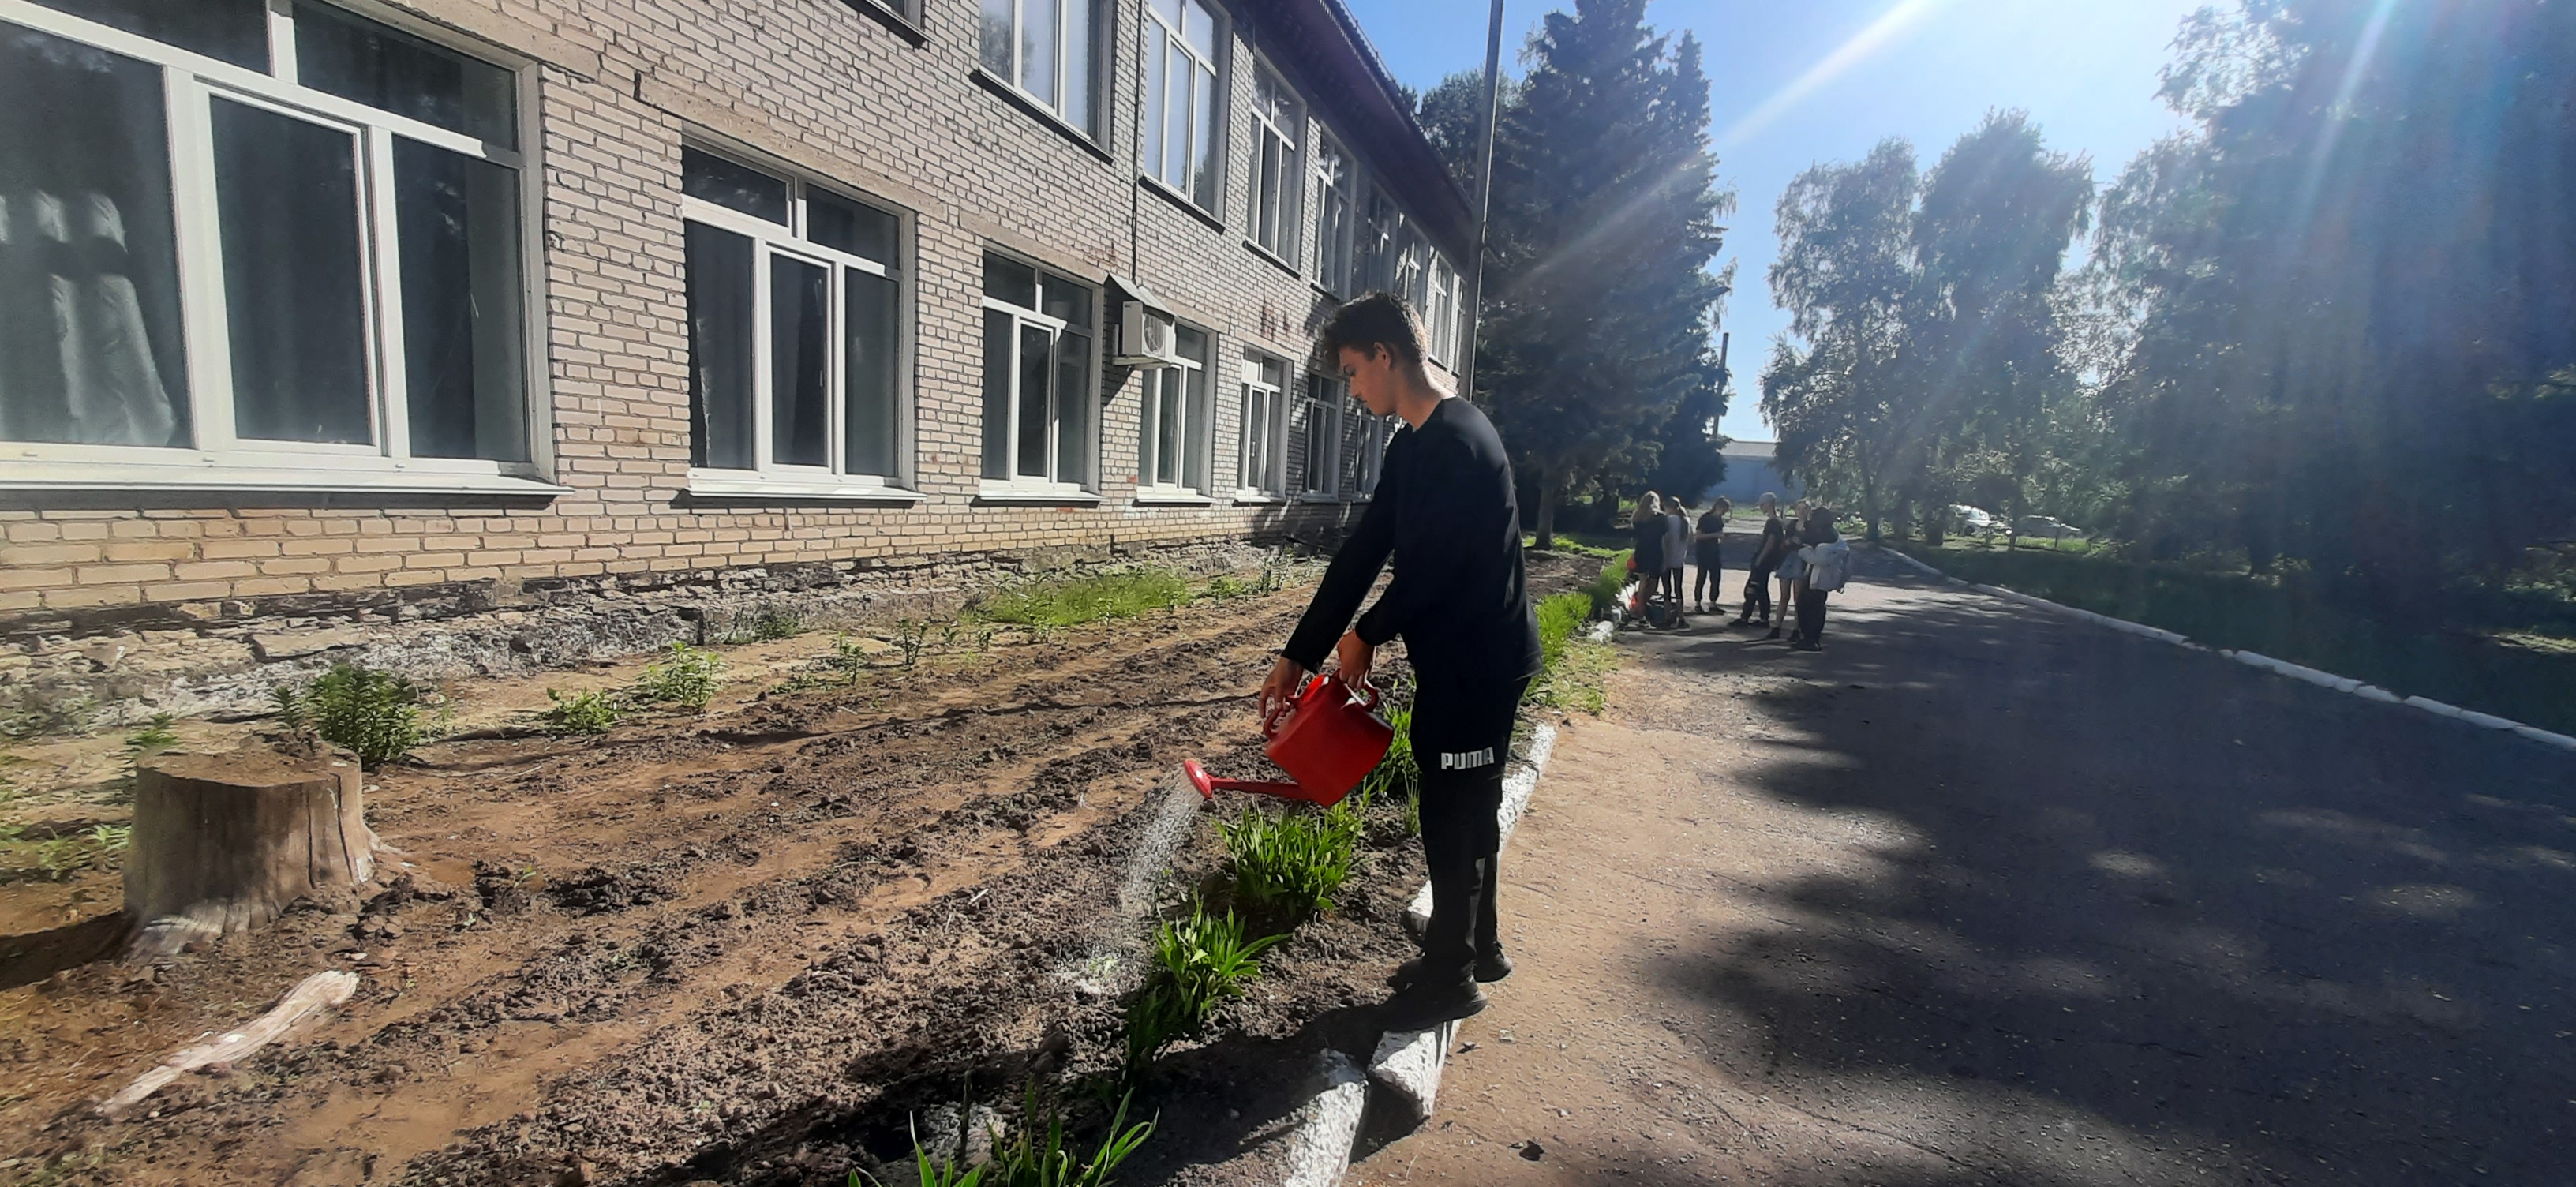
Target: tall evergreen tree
(1599, 306)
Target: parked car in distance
(1967, 520)
(2048, 527)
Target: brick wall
(843, 95)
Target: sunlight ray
(1899, 19)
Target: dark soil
(743, 948)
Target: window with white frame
(1280, 125)
(1184, 142)
(1315, 424)
(1440, 315)
(1335, 215)
(1376, 248)
(1373, 443)
(1179, 429)
(1038, 382)
(1049, 50)
(794, 331)
(274, 243)
(1264, 382)
(1412, 279)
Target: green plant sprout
(684, 676)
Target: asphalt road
(1982, 895)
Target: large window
(1178, 432)
(1335, 214)
(1049, 49)
(1264, 382)
(1184, 145)
(1315, 425)
(1375, 250)
(266, 243)
(794, 332)
(1440, 315)
(1280, 124)
(1038, 385)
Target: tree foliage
(1926, 356)
(2350, 290)
(1595, 357)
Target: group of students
(1809, 560)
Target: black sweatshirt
(1444, 509)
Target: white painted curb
(1408, 1063)
(1320, 1150)
(2343, 684)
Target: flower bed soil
(739, 948)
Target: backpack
(1831, 567)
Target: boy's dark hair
(1373, 319)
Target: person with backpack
(1827, 566)
(1445, 513)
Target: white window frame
(218, 459)
(1054, 487)
(1335, 246)
(1066, 84)
(1197, 432)
(1157, 122)
(772, 241)
(1381, 432)
(1275, 214)
(1320, 402)
(1261, 465)
(1441, 313)
(1377, 236)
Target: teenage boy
(1444, 511)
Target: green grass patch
(1073, 601)
(2462, 666)
(1600, 544)
(1604, 590)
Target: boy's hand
(1281, 686)
(1354, 656)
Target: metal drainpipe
(1475, 295)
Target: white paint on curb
(2343, 684)
(1320, 1150)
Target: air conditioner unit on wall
(1146, 330)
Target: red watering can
(1327, 738)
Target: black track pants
(1462, 733)
(1757, 594)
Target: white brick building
(422, 307)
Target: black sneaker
(1775, 633)
(1421, 1007)
(1490, 967)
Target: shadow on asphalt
(2117, 884)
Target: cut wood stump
(223, 842)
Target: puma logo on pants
(1466, 760)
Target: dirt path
(1979, 895)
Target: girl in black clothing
(1646, 529)
(1710, 539)
(1767, 554)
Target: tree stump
(223, 842)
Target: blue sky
(1823, 80)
